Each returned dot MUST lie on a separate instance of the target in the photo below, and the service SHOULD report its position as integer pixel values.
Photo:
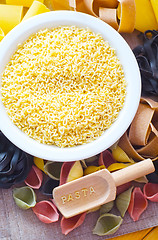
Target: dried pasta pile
(64, 86)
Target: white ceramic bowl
(132, 75)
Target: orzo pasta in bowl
(70, 86)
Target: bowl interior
(132, 75)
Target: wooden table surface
(14, 221)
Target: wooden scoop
(96, 189)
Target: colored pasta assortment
(64, 86)
(139, 142)
(46, 175)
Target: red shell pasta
(69, 224)
(138, 204)
(34, 178)
(151, 191)
(46, 211)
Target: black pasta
(15, 164)
(147, 58)
(48, 186)
(153, 177)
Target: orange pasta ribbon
(141, 140)
(106, 11)
(109, 16)
(60, 5)
(127, 12)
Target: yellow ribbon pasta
(145, 18)
(10, 16)
(24, 3)
(154, 4)
(35, 9)
(60, 5)
(1, 34)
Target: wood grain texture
(152, 235)
(135, 235)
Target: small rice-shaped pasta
(64, 86)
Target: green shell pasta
(107, 224)
(106, 207)
(24, 197)
(123, 200)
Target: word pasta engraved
(78, 194)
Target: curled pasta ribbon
(14, 163)
(138, 204)
(155, 8)
(107, 224)
(53, 169)
(141, 141)
(46, 212)
(24, 197)
(127, 9)
(106, 158)
(145, 17)
(69, 224)
(60, 5)
(107, 11)
(94, 5)
(10, 16)
(24, 3)
(70, 171)
(109, 15)
(35, 9)
(151, 191)
(139, 135)
(1, 34)
(34, 178)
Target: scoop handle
(133, 172)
